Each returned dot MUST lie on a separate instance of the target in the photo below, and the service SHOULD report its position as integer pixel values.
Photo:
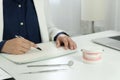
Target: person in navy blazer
(27, 18)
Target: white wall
(65, 14)
(112, 19)
(110, 14)
(117, 17)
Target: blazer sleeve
(53, 31)
(2, 44)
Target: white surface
(107, 69)
(4, 74)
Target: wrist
(60, 34)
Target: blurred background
(66, 15)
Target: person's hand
(17, 46)
(66, 41)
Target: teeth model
(91, 56)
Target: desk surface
(108, 69)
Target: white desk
(108, 69)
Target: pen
(22, 37)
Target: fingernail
(71, 48)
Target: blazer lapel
(1, 20)
(39, 6)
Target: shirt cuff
(2, 44)
(59, 34)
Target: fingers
(17, 46)
(67, 41)
(27, 44)
(21, 50)
(57, 43)
(72, 44)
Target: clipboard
(49, 51)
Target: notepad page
(49, 51)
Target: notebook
(111, 42)
(49, 51)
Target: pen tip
(39, 48)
